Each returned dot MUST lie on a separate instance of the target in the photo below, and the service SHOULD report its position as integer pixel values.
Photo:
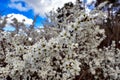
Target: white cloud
(39, 6)
(20, 18)
(45, 6)
(90, 1)
(16, 4)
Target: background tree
(112, 23)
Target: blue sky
(5, 9)
(28, 8)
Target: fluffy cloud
(90, 1)
(20, 18)
(19, 5)
(39, 6)
(45, 6)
